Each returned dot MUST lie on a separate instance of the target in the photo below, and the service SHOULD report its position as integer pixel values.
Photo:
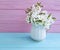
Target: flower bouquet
(40, 19)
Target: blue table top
(22, 41)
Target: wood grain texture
(22, 41)
(13, 17)
(17, 4)
(23, 4)
(20, 15)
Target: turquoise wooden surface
(22, 41)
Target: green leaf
(48, 16)
(29, 19)
(41, 13)
(39, 4)
(28, 10)
(38, 21)
(53, 18)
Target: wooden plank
(17, 14)
(17, 4)
(17, 21)
(12, 15)
(22, 41)
(54, 28)
(23, 27)
(17, 27)
(23, 4)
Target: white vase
(38, 33)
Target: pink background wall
(12, 14)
